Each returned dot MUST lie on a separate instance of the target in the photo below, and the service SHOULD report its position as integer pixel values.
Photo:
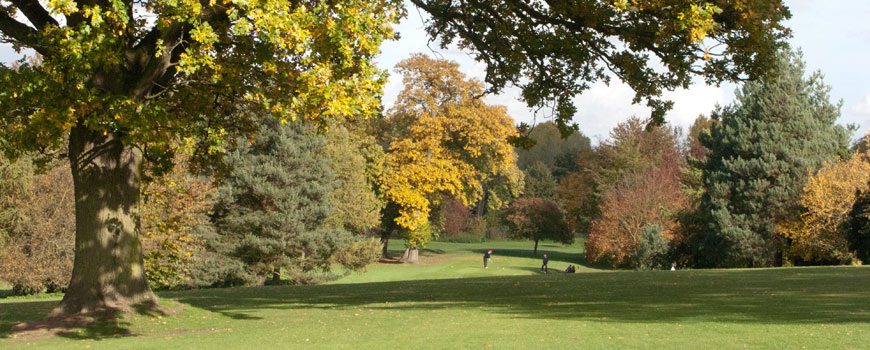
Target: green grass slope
(794, 308)
(442, 260)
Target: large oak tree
(121, 81)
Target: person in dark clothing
(570, 269)
(486, 257)
(544, 266)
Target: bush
(174, 208)
(652, 249)
(476, 227)
(357, 255)
(39, 251)
(495, 227)
(455, 216)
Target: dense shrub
(174, 209)
(455, 217)
(477, 227)
(652, 249)
(358, 254)
(38, 255)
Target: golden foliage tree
(827, 199)
(174, 206)
(445, 140)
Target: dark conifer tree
(273, 203)
(761, 151)
(858, 227)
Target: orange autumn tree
(827, 198)
(639, 182)
(444, 140)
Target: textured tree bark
(108, 271)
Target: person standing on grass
(544, 266)
(486, 257)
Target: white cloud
(863, 107)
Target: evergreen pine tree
(273, 203)
(760, 154)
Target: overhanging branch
(20, 33)
(35, 13)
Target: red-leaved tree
(537, 219)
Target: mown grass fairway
(466, 307)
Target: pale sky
(834, 36)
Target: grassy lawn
(442, 260)
(449, 302)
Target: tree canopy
(761, 151)
(537, 219)
(555, 50)
(446, 140)
(107, 67)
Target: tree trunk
(480, 208)
(535, 253)
(276, 275)
(411, 255)
(108, 271)
(385, 241)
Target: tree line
(120, 87)
(769, 180)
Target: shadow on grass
(28, 321)
(555, 256)
(771, 296)
(13, 313)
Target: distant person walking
(544, 266)
(486, 257)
